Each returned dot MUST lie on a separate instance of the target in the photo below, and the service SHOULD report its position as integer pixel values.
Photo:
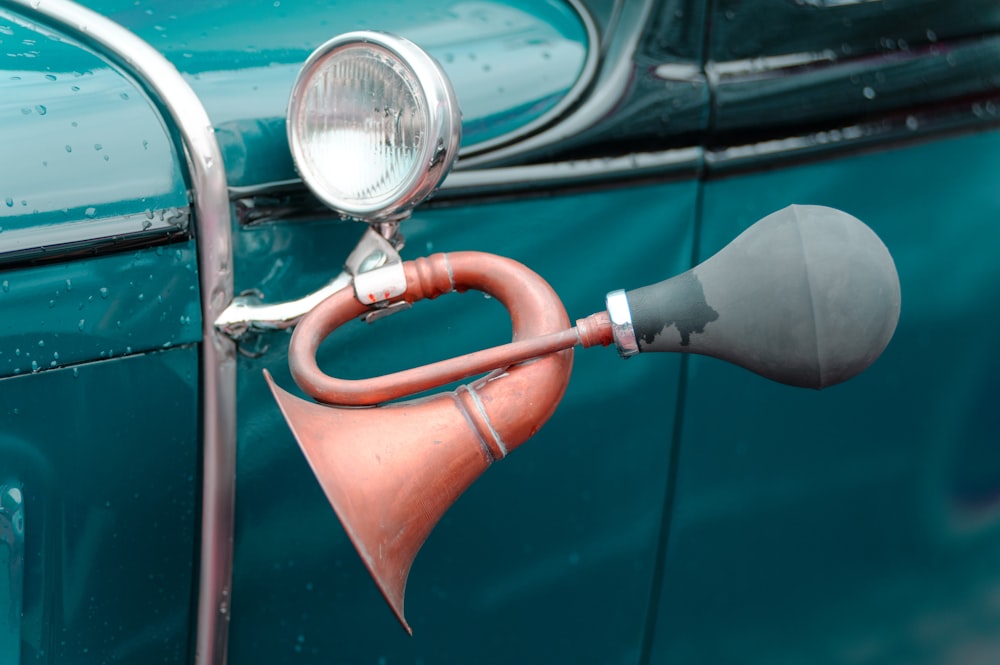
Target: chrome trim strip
(271, 202)
(609, 88)
(583, 82)
(681, 161)
(894, 129)
(58, 240)
(215, 266)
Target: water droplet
(69, 148)
(75, 88)
(82, 323)
(26, 111)
(104, 292)
(142, 296)
(34, 366)
(868, 92)
(98, 147)
(76, 372)
(912, 123)
(51, 77)
(10, 202)
(41, 110)
(124, 95)
(90, 212)
(931, 35)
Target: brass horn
(807, 296)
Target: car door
(858, 524)
(99, 378)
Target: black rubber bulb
(807, 296)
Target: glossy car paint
(106, 454)
(67, 313)
(854, 525)
(81, 140)
(845, 60)
(860, 523)
(513, 61)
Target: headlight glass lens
(362, 130)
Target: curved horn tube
(391, 472)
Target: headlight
(373, 124)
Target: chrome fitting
(621, 324)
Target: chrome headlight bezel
(439, 113)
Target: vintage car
(159, 243)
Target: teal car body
(154, 506)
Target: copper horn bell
(391, 472)
(808, 296)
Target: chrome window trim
(215, 267)
(610, 85)
(576, 91)
(54, 241)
